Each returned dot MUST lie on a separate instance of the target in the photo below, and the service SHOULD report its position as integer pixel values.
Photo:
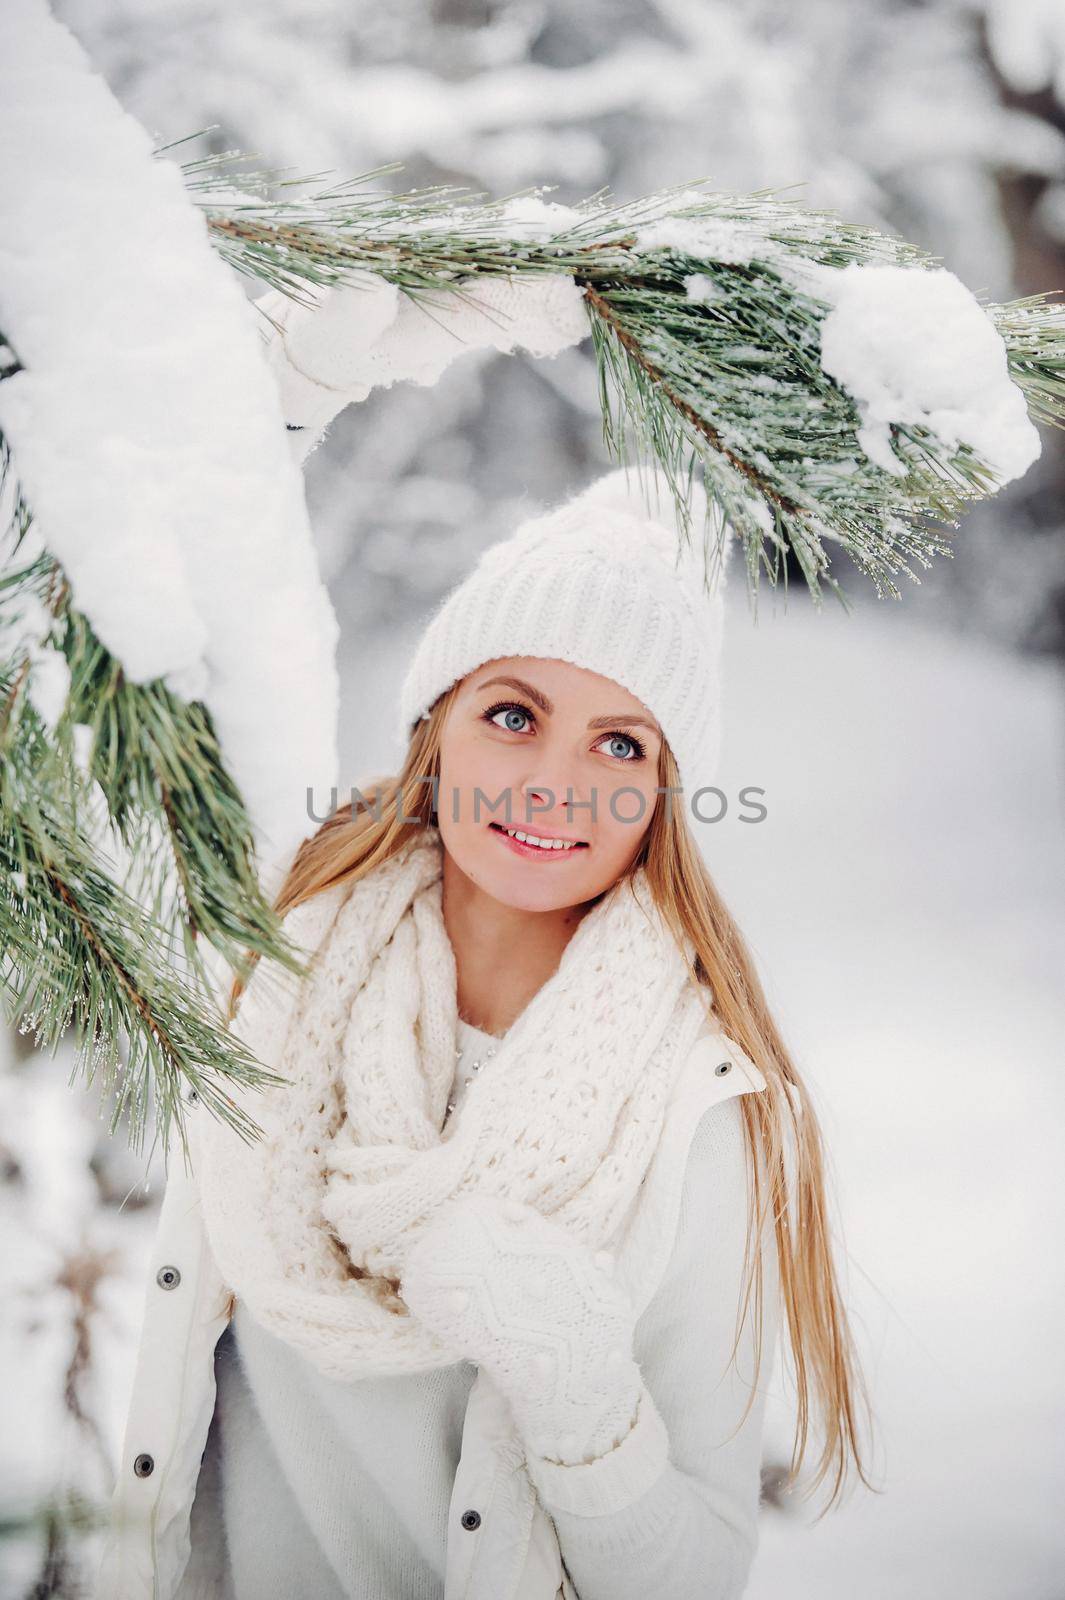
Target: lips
(553, 848)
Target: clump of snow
(912, 345)
(528, 217)
(147, 431)
(25, 626)
(49, 685)
(714, 238)
(701, 288)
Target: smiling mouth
(527, 843)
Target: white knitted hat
(608, 585)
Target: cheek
(625, 806)
(467, 764)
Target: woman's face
(531, 735)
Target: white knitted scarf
(310, 1225)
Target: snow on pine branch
(147, 432)
(916, 347)
(837, 387)
(909, 343)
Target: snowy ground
(905, 899)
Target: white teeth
(543, 844)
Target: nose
(547, 800)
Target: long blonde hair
(780, 1123)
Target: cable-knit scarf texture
(311, 1225)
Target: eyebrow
(540, 699)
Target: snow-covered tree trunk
(146, 432)
(168, 689)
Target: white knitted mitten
(370, 335)
(511, 1290)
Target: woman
(489, 1311)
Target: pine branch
(1034, 332)
(156, 758)
(731, 381)
(117, 954)
(80, 950)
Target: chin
(519, 883)
(521, 889)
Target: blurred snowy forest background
(904, 896)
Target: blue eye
(519, 713)
(625, 738)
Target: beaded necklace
(475, 1066)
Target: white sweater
(341, 1491)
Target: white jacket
(514, 1552)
